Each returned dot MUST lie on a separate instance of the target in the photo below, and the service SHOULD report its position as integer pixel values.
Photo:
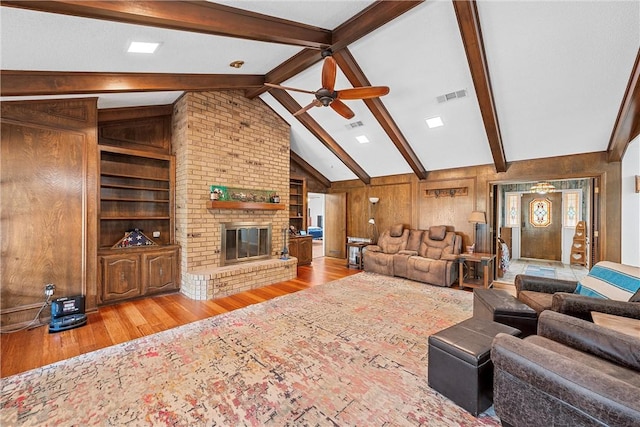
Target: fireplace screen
(245, 242)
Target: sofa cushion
(434, 253)
(436, 249)
(396, 230)
(390, 244)
(610, 280)
(415, 237)
(437, 232)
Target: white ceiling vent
(353, 125)
(452, 95)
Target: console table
(484, 259)
(357, 261)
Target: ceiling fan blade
(289, 88)
(364, 92)
(315, 103)
(342, 109)
(329, 73)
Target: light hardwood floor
(117, 323)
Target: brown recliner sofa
(572, 373)
(428, 256)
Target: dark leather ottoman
(460, 365)
(502, 307)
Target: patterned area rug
(350, 352)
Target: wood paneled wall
(403, 197)
(48, 211)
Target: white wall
(315, 203)
(631, 205)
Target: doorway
(542, 226)
(316, 222)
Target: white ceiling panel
(432, 64)
(368, 155)
(327, 14)
(45, 41)
(559, 71)
(307, 146)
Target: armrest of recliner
(407, 252)
(620, 348)
(449, 257)
(520, 365)
(581, 306)
(373, 248)
(547, 285)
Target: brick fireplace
(223, 138)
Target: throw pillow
(610, 280)
(437, 232)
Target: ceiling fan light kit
(327, 96)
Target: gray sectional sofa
(428, 256)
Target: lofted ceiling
(540, 78)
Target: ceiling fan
(327, 96)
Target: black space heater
(67, 313)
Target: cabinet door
(120, 277)
(160, 271)
(305, 251)
(294, 247)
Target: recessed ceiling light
(142, 47)
(236, 64)
(434, 122)
(362, 139)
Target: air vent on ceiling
(353, 125)
(452, 95)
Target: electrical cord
(31, 325)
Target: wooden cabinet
(160, 271)
(298, 203)
(120, 277)
(135, 272)
(301, 247)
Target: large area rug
(350, 352)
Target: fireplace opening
(245, 241)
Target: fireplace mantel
(213, 204)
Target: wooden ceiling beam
(194, 16)
(371, 18)
(357, 78)
(31, 83)
(309, 169)
(469, 24)
(627, 125)
(318, 131)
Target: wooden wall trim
(49, 225)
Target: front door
(542, 226)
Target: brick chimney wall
(226, 139)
